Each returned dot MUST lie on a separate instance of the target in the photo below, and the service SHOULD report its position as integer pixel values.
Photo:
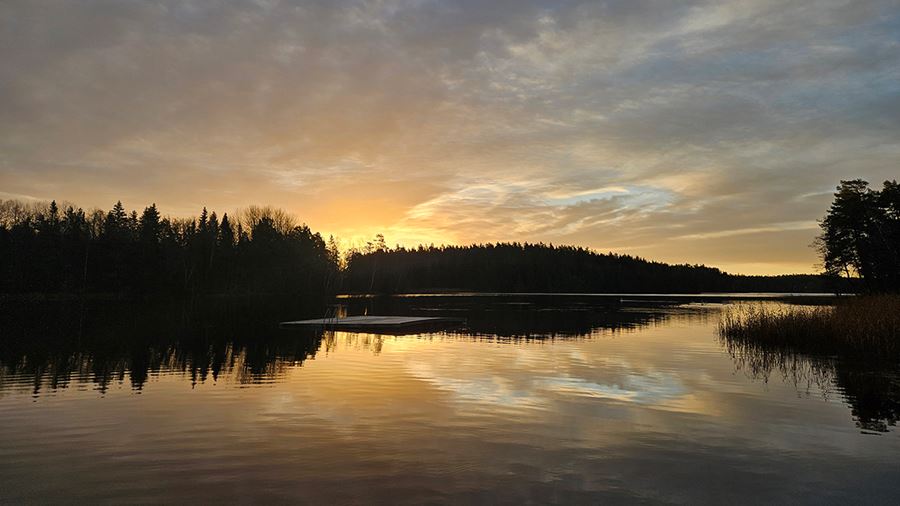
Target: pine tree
(150, 228)
(213, 226)
(54, 215)
(226, 234)
(203, 220)
(114, 225)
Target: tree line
(46, 249)
(525, 267)
(861, 235)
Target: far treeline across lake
(50, 249)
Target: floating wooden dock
(378, 324)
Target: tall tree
(859, 234)
(149, 228)
(226, 233)
(116, 221)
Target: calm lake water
(537, 400)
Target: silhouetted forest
(45, 249)
(515, 267)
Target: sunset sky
(683, 131)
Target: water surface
(550, 400)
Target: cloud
(461, 121)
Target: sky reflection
(658, 412)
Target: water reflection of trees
(531, 317)
(870, 385)
(52, 345)
(507, 320)
(48, 346)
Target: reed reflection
(869, 384)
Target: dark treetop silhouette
(514, 267)
(44, 249)
(861, 234)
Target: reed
(867, 324)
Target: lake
(551, 399)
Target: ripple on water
(659, 411)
